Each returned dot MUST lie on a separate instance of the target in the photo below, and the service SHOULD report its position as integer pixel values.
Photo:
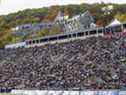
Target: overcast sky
(9, 6)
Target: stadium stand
(92, 63)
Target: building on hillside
(76, 23)
(22, 27)
(86, 20)
(61, 17)
(33, 26)
(26, 29)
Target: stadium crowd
(93, 63)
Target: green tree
(55, 30)
(43, 33)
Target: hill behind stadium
(48, 14)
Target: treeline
(49, 13)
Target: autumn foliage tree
(121, 17)
(68, 11)
(53, 11)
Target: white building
(114, 22)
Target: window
(41, 26)
(29, 42)
(92, 32)
(70, 36)
(118, 28)
(107, 30)
(37, 41)
(124, 25)
(80, 34)
(74, 35)
(50, 26)
(86, 33)
(100, 30)
(33, 41)
(41, 40)
(45, 39)
(52, 38)
(63, 37)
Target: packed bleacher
(93, 63)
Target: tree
(68, 10)
(43, 33)
(121, 17)
(53, 11)
(55, 30)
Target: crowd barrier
(47, 92)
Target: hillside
(7, 22)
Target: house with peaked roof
(76, 23)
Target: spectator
(93, 63)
